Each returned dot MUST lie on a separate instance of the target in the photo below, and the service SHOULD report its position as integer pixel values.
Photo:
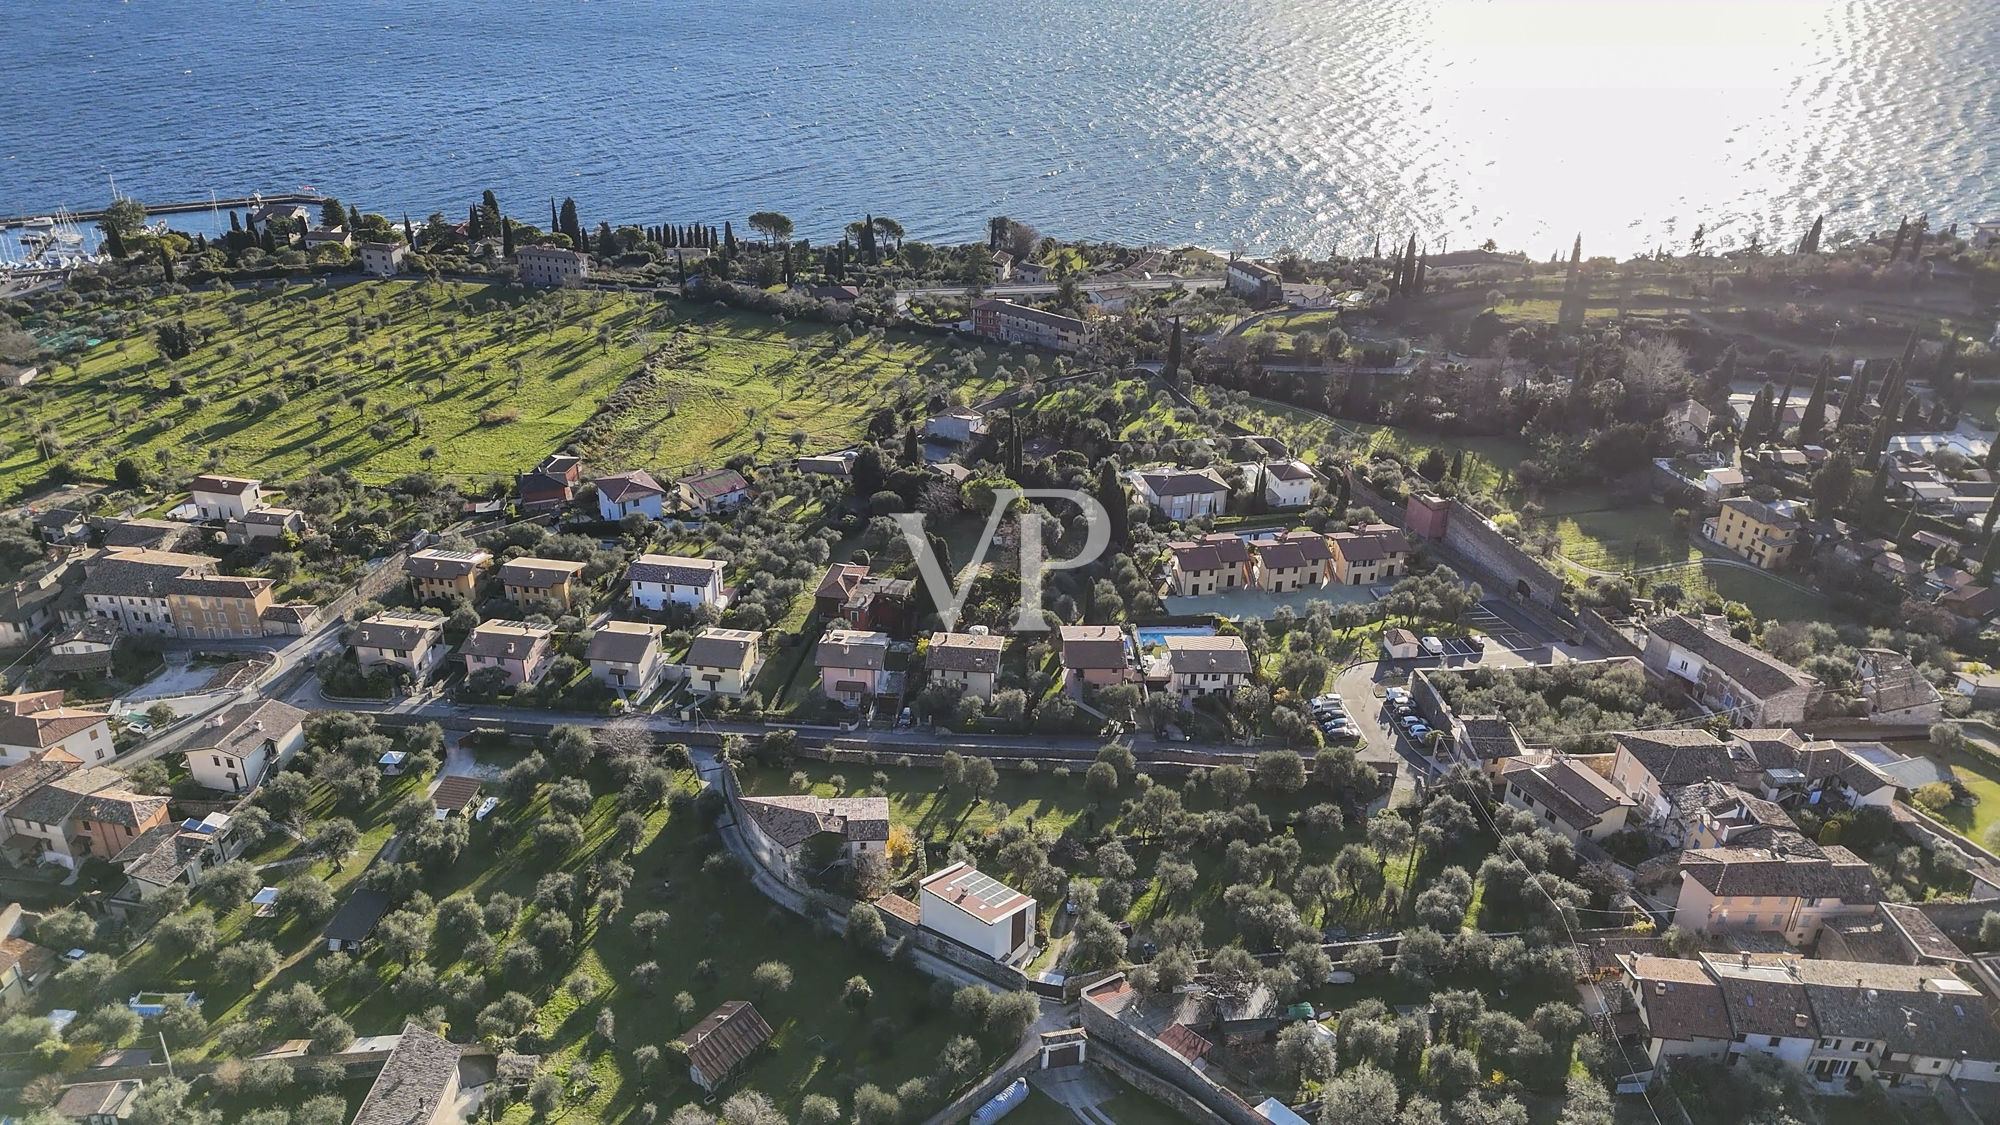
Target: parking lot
(1503, 632)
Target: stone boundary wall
(1177, 1099)
(1111, 1037)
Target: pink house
(524, 650)
(1095, 655)
(853, 665)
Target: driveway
(1361, 687)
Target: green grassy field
(1981, 774)
(719, 931)
(326, 377)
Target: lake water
(1256, 124)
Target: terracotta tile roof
(1184, 1041)
(1189, 656)
(1757, 671)
(224, 486)
(715, 484)
(900, 907)
(619, 487)
(1092, 646)
(455, 791)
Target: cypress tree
(1758, 424)
(1813, 421)
(728, 239)
(489, 209)
(554, 223)
(474, 229)
(167, 265)
(1111, 494)
(1458, 465)
(1856, 397)
(507, 238)
(1572, 311)
(270, 242)
(200, 242)
(1902, 234)
(409, 232)
(868, 239)
(1778, 407)
(1423, 267)
(1885, 423)
(681, 267)
(913, 447)
(570, 226)
(234, 224)
(1810, 243)
(1172, 371)
(353, 218)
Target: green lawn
(283, 381)
(1981, 774)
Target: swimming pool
(1152, 636)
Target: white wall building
(977, 911)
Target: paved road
(1085, 284)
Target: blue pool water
(1158, 634)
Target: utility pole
(167, 1053)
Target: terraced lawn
(387, 378)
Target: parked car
(1433, 646)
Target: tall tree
(773, 225)
(1171, 373)
(507, 237)
(867, 240)
(1902, 235)
(1779, 406)
(1571, 313)
(889, 229)
(1856, 398)
(1813, 422)
(1758, 424)
(489, 210)
(567, 223)
(1810, 243)
(728, 239)
(409, 232)
(1111, 494)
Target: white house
(622, 494)
(1288, 484)
(658, 581)
(383, 259)
(36, 722)
(781, 826)
(625, 656)
(720, 490)
(224, 498)
(958, 425)
(400, 638)
(977, 911)
(1206, 665)
(1183, 494)
(238, 747)
(1254, 280)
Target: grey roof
(1919, 1009)
(433, 563)
(356, 918)
(503, 639)
(964, 652)
(1491, 737)
(723, 1040)
(139, 573)
(242, 728)
(850, 648)
(1092, 646)
(1764, 999)
(1182, 482)
(1752, 872)
(1203, 655)
(147, 534)
(57, 799)
(1573, 792)
(673, 570)
(1677, 757)
(1682, 1001)
(1760, 673)
(626, 642)
(161, 854)
(412, 1084)
(538, 574)
(397, 630)
(1921, 933)
(793, 820)
(116, 805)
(721, 648)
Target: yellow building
(1757, 532)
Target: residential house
(840, 464)
(1983, 688)
(98, 1103)
(1649, 765)
(1206, 665)
(62, 526)
(528, 581)
(222, 498)
(723, 1042)
(1569, 797)
(1112, 299)
(51, 824)
(236, 748)
(398, 638)
(1210, 565)
(163, 594)
(1722, 483)
(1788, 894)
(1841, 1022)
(1370, 554)
(1293, 560)
(658, 581)
(325, 236)
(840, 293)
(1898, 934)
(719, 490)
(16, 375)
(1400, 644)
(781, 828)
(1717, 814)
(34, 603)
(169, 853)
(1003, 265)
(969, 660)
(853, 666)
(1253, 281)
(626, 656)
(1726, 676)
(1031, 273)
(1686, 424)
(958, 425)
(417, 1085)
(1895, 690)
(1756, 531)
(1183, 494)
(550, 267)
(977, 911)
(382, 259)
(634, 493)
(108, 819)
(24, 966)
(1288, 484)
(521, 650)
(997, 318)
(551, 483)
(1306, 295)
(1096, 656)
(850, 593)
(1488, 743)
(724, 661)
(84, 649)
(446, 575)
(265, 527)
(36, 723)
